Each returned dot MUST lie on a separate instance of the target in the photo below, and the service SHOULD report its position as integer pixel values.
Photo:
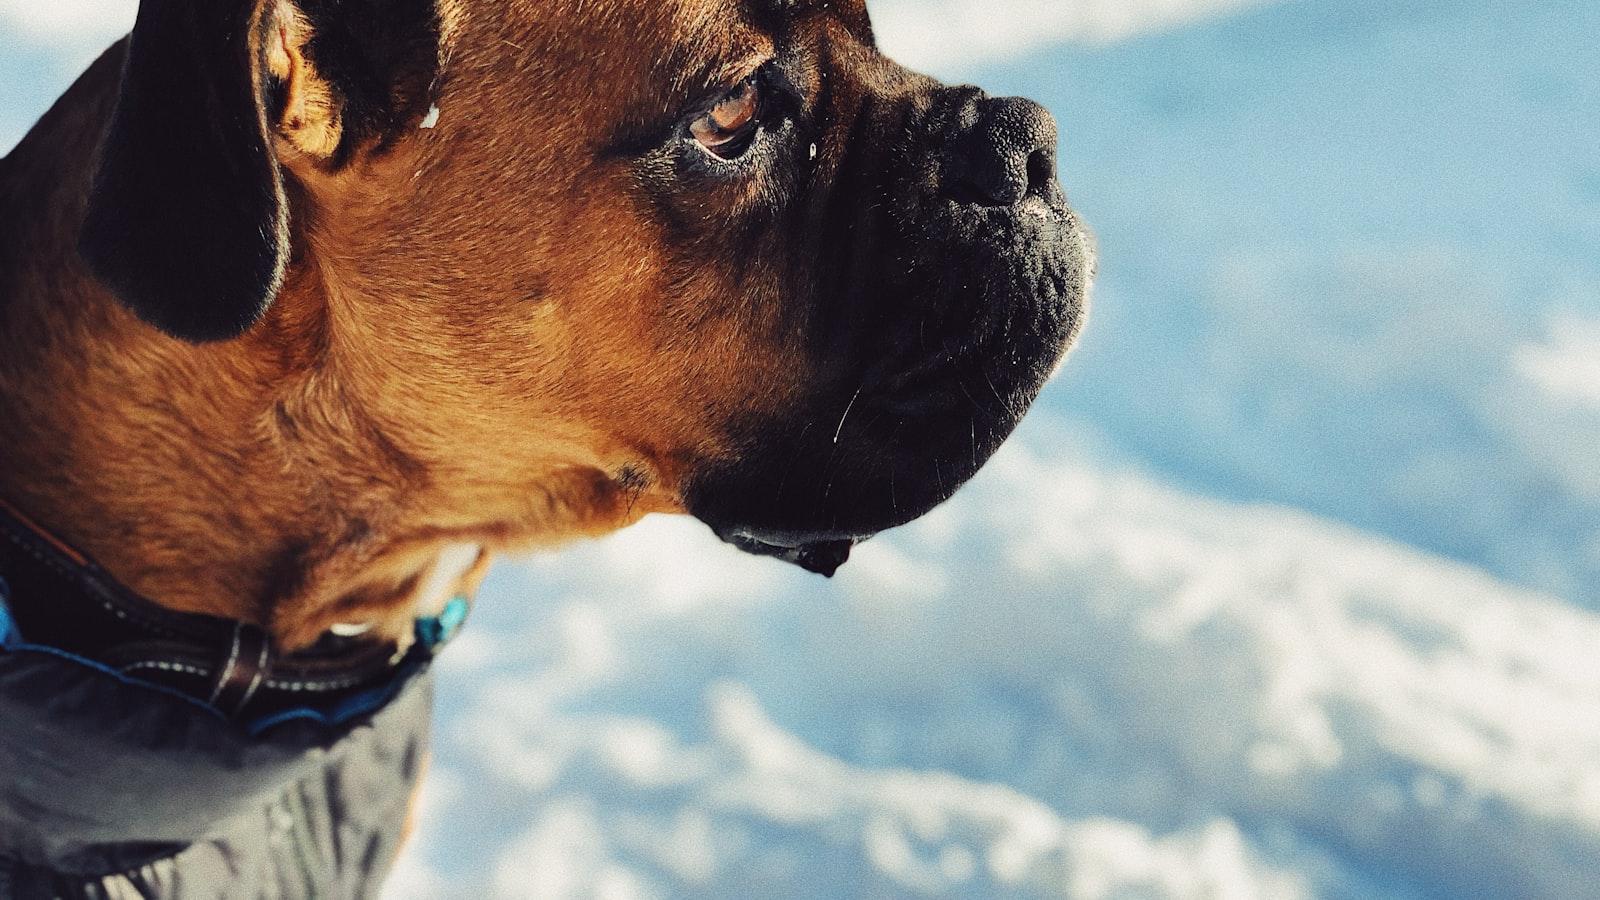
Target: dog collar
(56, 600)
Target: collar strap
(61, 600)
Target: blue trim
(434, 633)
(441, 630)
(12, 642)
(352, 707)
(8, 626)
(120, 678)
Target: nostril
(1041, 171)
(1005, 154)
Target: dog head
(714, 256)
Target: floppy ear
(187, 221)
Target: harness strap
(248, 664)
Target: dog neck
(247, 479)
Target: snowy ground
(1112, 687)
(1291, 588)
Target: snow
(73, 32)
(947, 35)
(1113, 687)
(1566, 367)
(934, 34)
(1328, 232)
(70, 21)
(1291, 588)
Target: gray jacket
(114, 789)
(135, 762)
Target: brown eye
(727, 129)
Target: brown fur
(479, 339)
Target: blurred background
(1290, 587)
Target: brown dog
(308, 306)
(550, 313)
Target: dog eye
(727, 129)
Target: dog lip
(822, 555)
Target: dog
(309, 307)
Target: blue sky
(1290, 588)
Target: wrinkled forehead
(645, 57)
(709, 43)
(615, 74)
(851, 12)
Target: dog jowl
(943, 279)
(370, 279)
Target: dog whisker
(977, 407)
(794, 459)
(1004, 404)
(842, 419)
(833, 472)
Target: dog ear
(187, 220)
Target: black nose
(1007, 154)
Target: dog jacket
(130, 768)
